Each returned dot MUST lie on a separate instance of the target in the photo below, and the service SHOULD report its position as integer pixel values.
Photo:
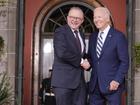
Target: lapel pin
(110, 36)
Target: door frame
(38, 22)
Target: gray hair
(76, 8)
(105, 11)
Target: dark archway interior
(58, 18)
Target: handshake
(85, 64)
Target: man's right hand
(85, 64)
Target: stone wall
(8, 19)
(137, 40)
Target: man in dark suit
(69, 49)
(108, 53)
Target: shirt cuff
(82, 60)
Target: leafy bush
(5, 89)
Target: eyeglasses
(76, 18)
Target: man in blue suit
(108, 53)
(69, 50)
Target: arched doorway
(56, 19)
(45, 25)
(34, 17)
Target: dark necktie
(77, 39)
(99, 44)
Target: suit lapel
(72, 38)
(94, 46)
(107, 40)
(83, 39)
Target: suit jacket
(113, 62)
(67, 72)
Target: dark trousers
(66, 96)
(98, 98)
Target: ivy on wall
(3, 3)
(1, 46)
(137, 55)
(3, 11)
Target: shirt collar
(105, 30)
(74, 30)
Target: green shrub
(6, 94)
(5, 89)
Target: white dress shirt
(105, 32)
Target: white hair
(76, 8)
(104, 10)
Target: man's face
(75, 19)
(100, 19)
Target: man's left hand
(113, 85)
